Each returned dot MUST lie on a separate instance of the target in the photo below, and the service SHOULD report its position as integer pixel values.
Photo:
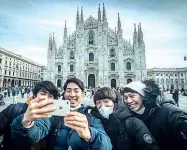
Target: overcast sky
(25, 26)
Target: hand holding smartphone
(62, 107)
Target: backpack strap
(52, 134)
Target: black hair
(45, 86)
(78, 82)
(105, 92)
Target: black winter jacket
(125, 131)
(168, 124)
(6, 118)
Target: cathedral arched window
(91, 37)
(128, 65)
(91, 57)
(59, 68)
(176, 81)
(113, 67)
(71, 68)
(157, 80)
(112, 53)
(72, 55)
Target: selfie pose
(43, 88)
(167, 122)
(78, 130)
(125, 131)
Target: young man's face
(133, 100)
(46, 94)
(74, 94)
(104, 102)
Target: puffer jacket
(66, 138)
(125, 131)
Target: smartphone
(62, 107)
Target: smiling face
(133, 100)
(74, 94)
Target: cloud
(25, 25)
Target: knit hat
(136, 86)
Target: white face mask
(106, 111)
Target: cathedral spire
(82, 18)
(50, 42)
(54, 42)
(99, 14)
(140, 34)
(65, 30)
(77, 21)
(135, 36)
(53, 37)
(104, 13)
(119, 23)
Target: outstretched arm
(139, 135)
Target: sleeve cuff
(32, 123)
(93, 133)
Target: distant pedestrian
(22, 92)
(176, 97)
(14, 93)
(9, 91)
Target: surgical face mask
(106, 111)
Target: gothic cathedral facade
(96, 54)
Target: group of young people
(144, 120)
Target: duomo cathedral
(97, 54)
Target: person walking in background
(5, 92)
(14, 93)
(92, 93)
(28, 92)
(175, 96)
(22, 92)
(9, 91)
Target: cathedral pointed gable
(91, 23)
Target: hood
(166, 98)
(122, 111)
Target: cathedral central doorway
(91, 80)
(113, 83)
